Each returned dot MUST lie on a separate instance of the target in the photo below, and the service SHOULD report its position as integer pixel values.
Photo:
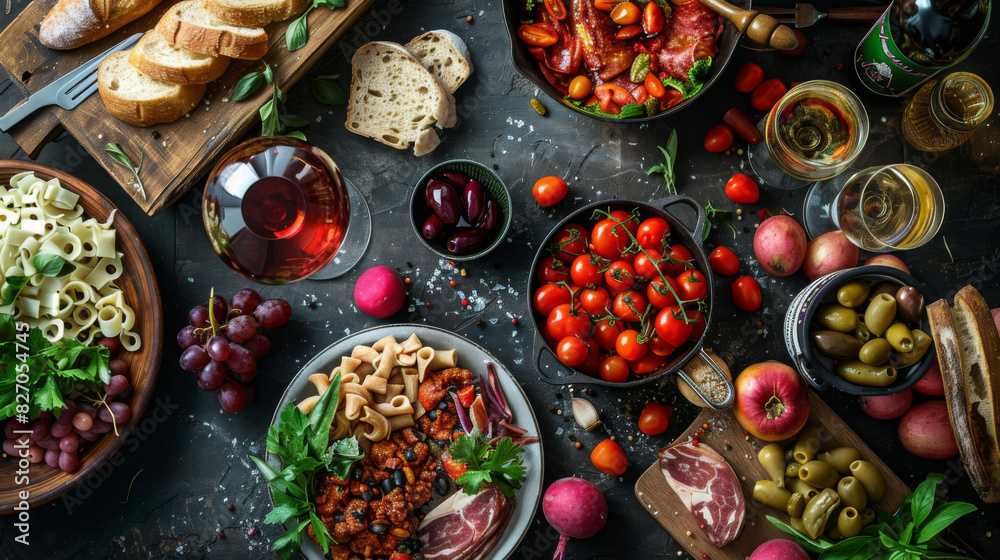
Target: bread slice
(191, 26)
(395, 100)
(72, 23)
(969, 355)
(158, 59)
(445, 55)
(256, 13)
(139, 100)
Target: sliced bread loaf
(72, 23)
(395, 100)
(160, 60)
(256, 13)
(445, 55)
(139, 100)
(191, 26)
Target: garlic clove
(585, 414)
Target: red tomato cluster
(618, 299)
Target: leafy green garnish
(529, 5)
(500, 465)
(297, 33)
(302, 443)
(667, 167)
(45, 264)
(117, 155)
(273, 121)
(629, 111)
(696, 76)
(911, 533)
(714, 217)
(326, 90)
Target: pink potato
(888, 260)
(931, 383)
(379, 292)
(996, 316)
(926, 431)
(780, 245)
(779, 549)
(828, 253)
(886, 407)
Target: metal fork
(66, 92)
(804, 15)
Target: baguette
(968, 349)
(191, 26)
(139, 100)
(156, 58)
(72, 23)
(256, 13)
(445, 55)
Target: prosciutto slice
(691, 31)
(595, 31)
(707, 485)
(465, 527)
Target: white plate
(470, 356)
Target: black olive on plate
(358, 515)
(387, 486)
(456, 178)
(467, 240)
(488, 221)
(408, 453)
(339, 518)
(433, 415)
(910, 304)
(441, 485)
(356, 474)
(399, 477)
(473, 201)
(433, 227)
(444, 201)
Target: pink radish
(576, 508)
(779, 549)
(379, 292)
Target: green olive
(807, 444)
(851, 493)
(880, 313)
(860, 373)
(819, 474)
(887, 287)
(772, 458)
(792, 469)
(818, 512)
(921, 343)
(849, 522)
(796, 485)
(853, 294)
(840, 458)
(769, 494)
(796, 505)
(797, 523)
(909, 304)
(837, 317)
(900, 337)
(870, 478)
(875, 352)
(836, 345)
(861, 332)
(868, 517)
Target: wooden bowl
(138, 283)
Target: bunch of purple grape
(59, 440)
(223, 348)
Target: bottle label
(882, 67)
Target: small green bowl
(495, 190)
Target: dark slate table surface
(168, 496)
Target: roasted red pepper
(467, 395)
(538, 34)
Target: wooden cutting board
(725, 435)
(176, 154)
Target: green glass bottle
(915, 39)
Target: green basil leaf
(265, 469)
(296, 134)
(327, 91)
(922, 499)
(13, 289)
(268, 73)
(321, 417)
(248, 85)
(854, 547)
(332, 4)
(298, 32)
(941, 517)
(281, 513)
(292, 539)
(52, 265)
(293, 120)
(804, 540)
(7, 328)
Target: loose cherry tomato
(742, 189)
(680, 256)
(629, 347)
(626, 13)
(655, 418)
(569, 243)
(798, 48)
(647, 364)
(724, 261)
(580, 88)
(653, 233)
(698, 324)
(573, 350)
(671, 327)
(653, 84)
(563, 322)
(608, 457)
(552, 269)
(647, 264)
(718, 139)
(652, 18)
(585, 271)
(606, 333)
(555, 8)
(628, 31)
(691, 285)
(659, 294)
(748, 77)
(550, 296)
(595, 301)
(630, 305)
(549, 191)
(605, 5)
(467, 395)
(659, 347)
(767, 94)
(740, 124)
(453, 467)
(620, 276)
(614, 369)
(538, 34)
(746, 294)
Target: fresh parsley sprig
(297, 33)
(302, 443)
(273, 121)
(500, 465)
(669, 152)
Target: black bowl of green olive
(862, 331)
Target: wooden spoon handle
(759, 27)
(855, 14)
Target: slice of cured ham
(465, 527)
(707, 485)
(690, 34)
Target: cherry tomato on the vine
(698, 324)
(595, 301)
(691, 285)
(614, 369)
(609, 458)
(549, 191)
(573, 350)
(680, 256)
(570, 242)
(661, 294)
(629, 347)
(630, 305)
(655, 418)
(620, 276)
(647, 364)
(606, 333)
(748, 77)
(585, 272)
(746, 293)
(552, 269)
(653, 233)
(659, 347)
(724, 261)
(549, 296)
(610, 237)
(718, 139)
(646, 265)
(563, 322)
(742, 189)
(671, 326)
(592, 364)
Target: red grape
(40, 429)
(273, 313)
(241, 328)
(61, 430)
(259, 345)
(121, 412)
(10, 447)
(48, 442)
(198, 316)
(212, 376)
(113, 343)
(68, 461)
(220, 309)
(232, 397)
(117, 386)
(88, 436)
(52, 458)
(36, 454)
(218, 348)
(194, 358)
(118, 367)
(187, 337)
(240, 359)
(246, 300)
(82, 421)
(70, 443)
(101, 427)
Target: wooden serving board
(176, 154)
(725, 435)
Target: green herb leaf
(922, 499)
(52, 265)
(117, 155)
(296, 134)
(713, 214)
(806, 542)
(248, 85)
(13, 289)
(297, 32)
(268, 73)
(669, 151)
(7, 328)
(342, 455)
(321, 418)
(291, 542)
(293, 120)
(332, 4)
(327, 91)
(500, 465)
(323, 536)
(941, 517)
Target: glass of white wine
(813, 133)
(880, 209)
